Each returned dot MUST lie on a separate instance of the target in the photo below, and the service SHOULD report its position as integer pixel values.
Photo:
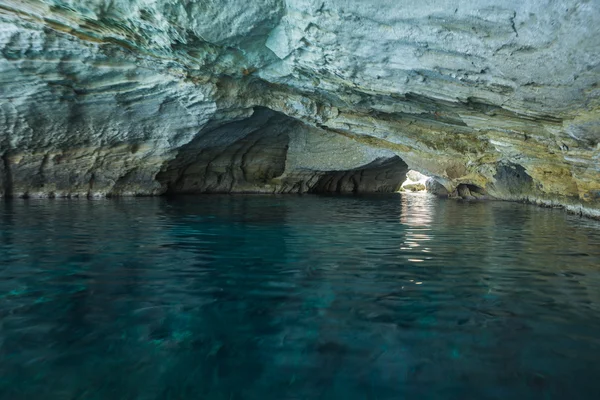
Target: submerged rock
(137, 97)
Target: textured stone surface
(270, 152)
(126, 97)
(434, 187)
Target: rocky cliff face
(127, 97)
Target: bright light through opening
(415, 182)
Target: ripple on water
(297, 297)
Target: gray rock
(128, 97)
(415, 176)
(434, 187)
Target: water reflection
(290, 297)
(418, 209)
(418, 212)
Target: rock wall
(272, 153)
(127, 97)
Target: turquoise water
(297, 297)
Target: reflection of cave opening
(270, 152)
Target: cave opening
(269, 152)
(415, 182)
(419, 182)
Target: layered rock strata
(143, 97)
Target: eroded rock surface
(128, 97)
(270, 152)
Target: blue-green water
(261, 297)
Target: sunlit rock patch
(415, 182)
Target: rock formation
(142, 97)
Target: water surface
(297, 297)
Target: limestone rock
(414, 187)
(272, 153)
(415, 182)
(434, 187)
(129, 97)
(416, 176)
